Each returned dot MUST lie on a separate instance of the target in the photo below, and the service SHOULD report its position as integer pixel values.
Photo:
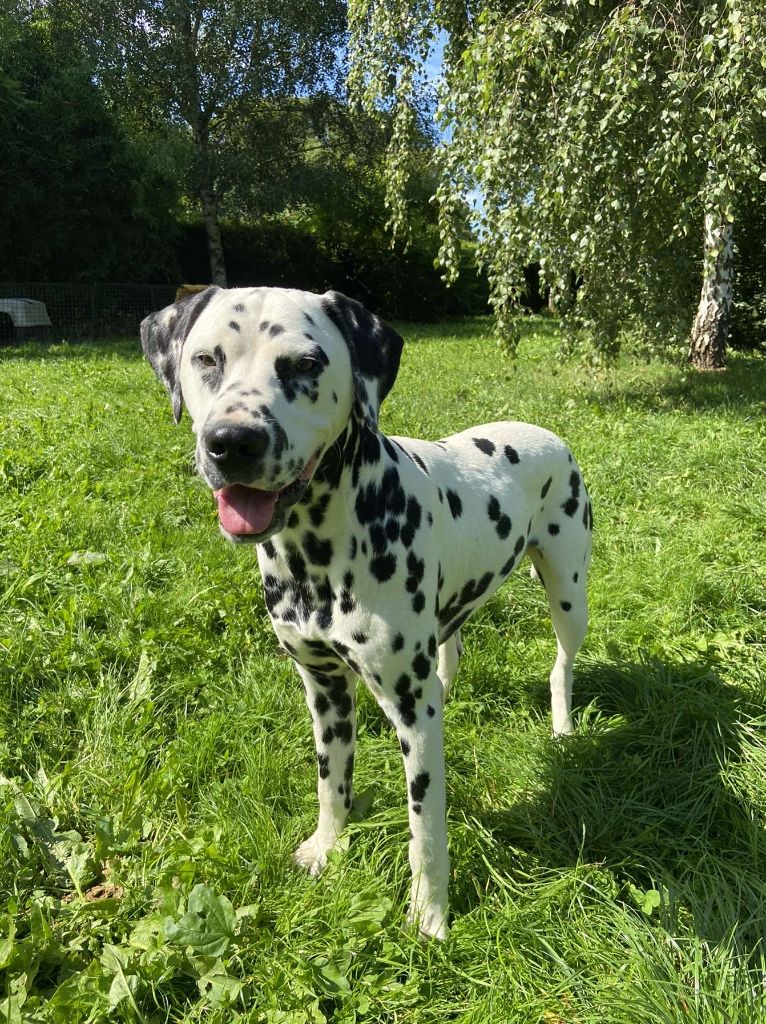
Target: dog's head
(270, 377)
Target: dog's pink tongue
(245, 510)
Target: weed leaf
(208, 924)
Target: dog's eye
(206, 360)
(305, 364)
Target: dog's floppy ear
(162, 338)
(375, 351)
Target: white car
(22, 318)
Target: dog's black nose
(233, 446)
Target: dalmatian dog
(373, 550)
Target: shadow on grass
(741, 386)
(657, 793)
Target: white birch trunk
(707, 343)
(214, 241)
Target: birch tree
(607, 138)
(205, 67)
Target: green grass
(157, 759)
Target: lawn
(156, 754)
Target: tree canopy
(217, 69)
(600, 136)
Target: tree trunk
(707, 344)
(213, 232)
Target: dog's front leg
(330, 698)
(416, 713)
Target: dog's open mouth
(248, 512)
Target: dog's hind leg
(564, 584)
(449, 659)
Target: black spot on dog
(508, 566)
(412, 525)
(416, 567)
(419, 461)
(317, 511)
(406, 705)
(319, 552)
(484, 445)
(475, 588)
(234, 326)
(378, 538)
(430, 711)
(397, 643)
(503, 526)
(390, 449)
(432, 645)
(421, 666)
(321, 704)
(263, 325)
(383, 567)
(374, 502)
(493, 509)
(344, 731)
(324, 766)
(566, 605)
(405, 746)
(275, 330)
(553, 529)
(392, 529)
(511, 454)
(269, 549)
(324, 617)
(576, 577)
(347, 602)
(239, 308)
(455, 504)
(570, 506)
(359, 638)
(419, 786)
(546, 485)
(418, 602)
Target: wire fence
(81, 311)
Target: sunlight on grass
(156, 755)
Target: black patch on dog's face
(375, 350)
(299, 375)
(163, 335)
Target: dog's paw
(431, 922)
(312, 855)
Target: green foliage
(597, 134)
(81, 200)
(749, 329)
(157, 758)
